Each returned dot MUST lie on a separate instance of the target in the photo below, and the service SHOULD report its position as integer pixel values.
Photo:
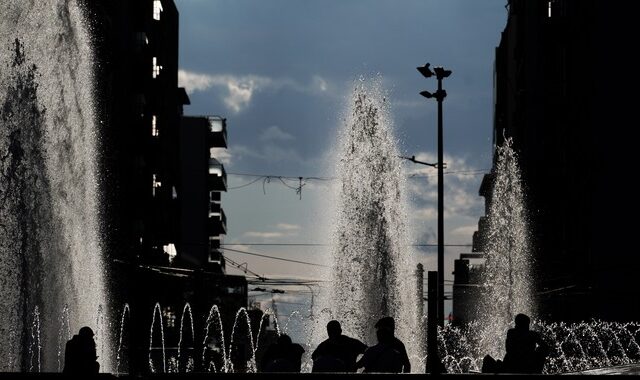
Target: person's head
(522, 322)
(86, 332)
(284, 339)
(333, 329)
(387, 323)
(384, 335)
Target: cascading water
(573, 347)
(372, 272)
(508, 288)
(50, 250)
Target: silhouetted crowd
(339, 353)
(525, 352)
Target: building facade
(162, 190)
(561, 86)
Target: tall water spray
(50, 249)
(372, 265)
(508, 283)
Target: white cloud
(221, 154)
(460, 187)
(240, 89)
(283, 230)
(319, 83)
(275, 133)
(268, 153)
(193, 82)
(464, 231)
(263, 235)
(462, 204)
(427, 214)
(287, 226)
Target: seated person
(383, 357)
(338, 353)
(283, 356)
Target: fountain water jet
(62, 337)
(126, 311)
(50, 250)
(251, 363)
(157, 310)
(373, 273)
(187, 308)
(214, 315)
(508, 287)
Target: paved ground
(630, 369)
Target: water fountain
(372, 264)
(50, 250)
(574, 347)
(508, 288)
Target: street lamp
(440, 73)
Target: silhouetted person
(526, 351)
(80, 354)
(390, 324)
(338, 353)
(383, 357)
(283, 356)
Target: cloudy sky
(280, 72)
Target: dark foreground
(631, 369)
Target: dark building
(203, 178)
(563, 79)
(467, 288)
(161, 186)
(141, 107)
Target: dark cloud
(297, 41)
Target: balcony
(217, 223)
(214, 208)
(216, 261)
(217, 136)
(217, 179)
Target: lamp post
(440, 73)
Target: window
(157, 9)
(154, 126)
(154, 185)
(156, 68)
(216, 124)
(170, 250)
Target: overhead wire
(245, 185)
(273, 257)
(302, 181)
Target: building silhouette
(203, 178)
(164, 222)
(562, 82)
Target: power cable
(274, 258)
(245, 185)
